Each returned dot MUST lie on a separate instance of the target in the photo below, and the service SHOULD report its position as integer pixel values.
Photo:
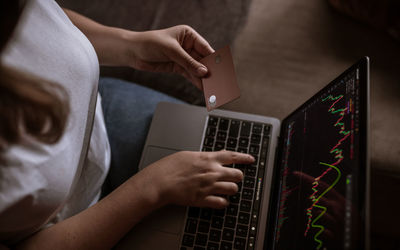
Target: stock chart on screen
(317, 205)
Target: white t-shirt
(42, 184)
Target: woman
(55, 142)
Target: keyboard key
(208, 141)
(247, 194)
(211, 131)
(188, 240)
(206, 213)
(234, 129)
(231, 143)
(194, 212)
(241, 231)
(191, 226)
(244, 218)
(263, 154)
(248, 182)
(251, 171)
(267, 129)
(204, 226)
(242, 150)
(219, 145)
(252, 231)
(230, 222)
(232, 209)
(250, 243)
(212, 246)
(254, 219)
(226, 245)
(255, 139)
(243, 142)
(201, 239)
(265, 142)
(223, 124)
(257, 128)
(213, 121)
(221, 136)
(228, 234)
(215, 235)
(240, 243)
(245, 129)
(254, 149)
(217, 222)
(241, 167)
(198, 248)
(245, 206)
(234, 199)
(260, 173)
(219, 212)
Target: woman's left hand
(175, 50)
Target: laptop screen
(320, 177)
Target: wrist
(114, 46)
(146, 190)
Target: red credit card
(220, 85)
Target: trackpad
(155, 153)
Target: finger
(195, 55)
(224, 187)
(230, 174)
(201, 45)
(228, 157)
(181, 57)
(214, 201)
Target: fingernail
(202, 70)
(252, 158)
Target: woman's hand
(176, 50)
(194, 178)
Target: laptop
(309, 186)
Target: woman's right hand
(194, 178)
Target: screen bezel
(364, 174)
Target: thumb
(181, 57)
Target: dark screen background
(319, 168)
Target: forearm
(100, 226)
(109, 42)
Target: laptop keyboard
(234, 227)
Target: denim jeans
(128, 110)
